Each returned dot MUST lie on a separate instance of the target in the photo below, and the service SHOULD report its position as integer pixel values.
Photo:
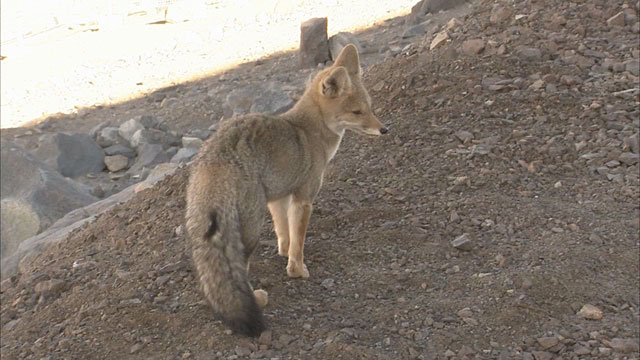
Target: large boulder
(70, 154)
(267, 98)
(60, 230)
(314, 44)
(33, 196)
(340, 40)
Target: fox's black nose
(384, 130)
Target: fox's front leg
(299, 214)
(278, 210)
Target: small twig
(625, 91)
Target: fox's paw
(262, 297)
(296, 270)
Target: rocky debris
(424, 7)
(60, 230)
(624, 346)
(500, 13)
(415, 30)
(49, 288)
(267, 98)
(314, 45)
(71, 155)
(272, 100)
(151, 136)
(149, 155)
(340, 40)
(238, 102)
(108, 136)
(33, 196)
(463, 242)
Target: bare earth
(534, 174)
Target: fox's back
(270, 150)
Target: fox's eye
(357, 112)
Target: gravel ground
(499, 218)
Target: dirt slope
(535, 176)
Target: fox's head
(344, 101)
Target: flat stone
(188, 141)
(440, 39)
(119, 149)
(633, 66)
(590, 312)
(473, 46)
(116, 163)
(529, 53)
(184, 154)
(629, 158)
(462, 242)
(547, 342)
(149, 155)
(617, 20)
(453, 24)
(633, 143)
(624, 346)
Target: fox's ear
(336, 83)
(350, 59)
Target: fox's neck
(308, 115)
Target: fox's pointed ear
(336, 83)
(350, 59)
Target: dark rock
(71, 155)
(314, 44)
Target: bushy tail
(218, 254)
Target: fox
(256, 162)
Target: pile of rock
(41, 186)
(142, 142)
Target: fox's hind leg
(299, 214)
(279, 209)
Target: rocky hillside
(498, 219)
